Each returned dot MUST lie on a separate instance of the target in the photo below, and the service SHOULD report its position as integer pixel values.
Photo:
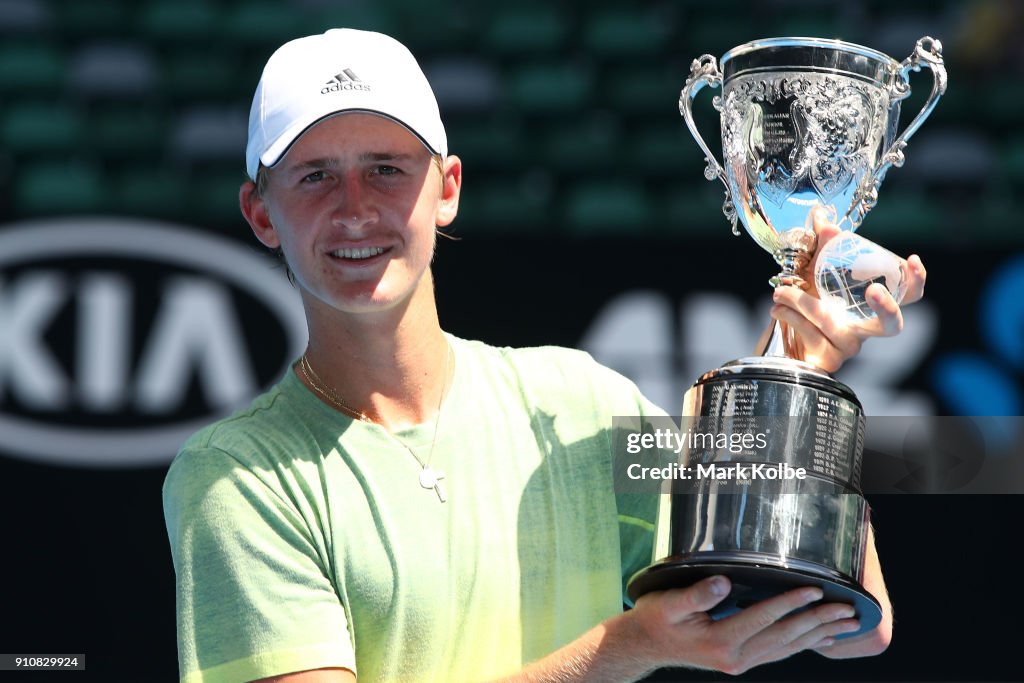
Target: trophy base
(752, 583)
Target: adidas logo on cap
(346, 80)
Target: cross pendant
(431, 479)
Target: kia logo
(121, 337)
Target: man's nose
(353, 208)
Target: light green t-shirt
(302, 539)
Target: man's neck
(391, 367)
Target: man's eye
(387, 170)
(314, 177)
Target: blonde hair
(262, 179)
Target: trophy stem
(780, 343)
(794, 254)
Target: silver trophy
(806, 123)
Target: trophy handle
(927, 52)
(704, 71)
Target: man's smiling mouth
(361, 253)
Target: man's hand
(825, 341)
(672, 629)
(677, 631)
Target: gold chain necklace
(429, 478)
(327, 392)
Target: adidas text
(336, 86)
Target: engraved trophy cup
(805, 123)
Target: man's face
(353, 206)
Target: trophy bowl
(806, 123)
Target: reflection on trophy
(806, 123)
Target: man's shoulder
(540, 358)
(264, 408)
(251, 435)
(555, 374)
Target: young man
(410, 506)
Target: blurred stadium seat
(631, 33)
(366, 16)
(56, 187)
(527, 29)
(603, 207)
(582, 147)
(160, 192)
(198, 75)
(29, 67)
(212, 194)
(128, 131)
(94, 19)
(260, 23)
(205, 133)
(506, 203)
(488, 143)
(1013, 162)
(550, 87)
(467, 84)
(183, 22)
(112, 70)
(41, 127)
(19, 17)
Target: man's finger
(916, 277)
(800, 631)
(890, 317)
(757, 618)
(829, 340)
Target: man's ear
(451, 187)
(254, 208)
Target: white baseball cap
(343, 70)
